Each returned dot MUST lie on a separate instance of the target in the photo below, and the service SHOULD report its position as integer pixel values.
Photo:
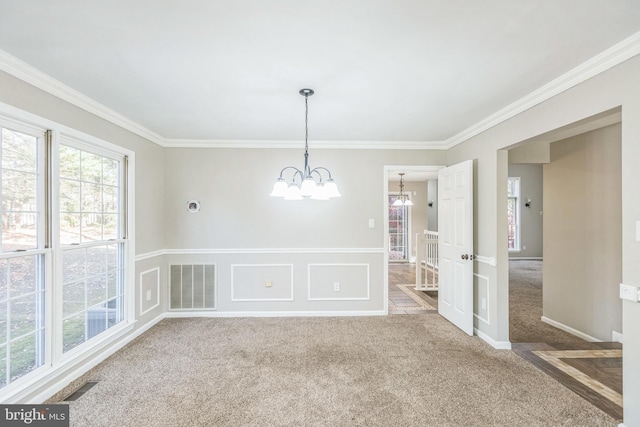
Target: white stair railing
(427, 261)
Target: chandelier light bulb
(320, 192)
(293, 192)
(308, 187)
(279, 188)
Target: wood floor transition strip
(555, 359)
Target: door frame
(387, 171)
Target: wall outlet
(629, 292)
(268, 283)
(148, 295)
(336, 286)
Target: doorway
(568, 214)
(402, 223)
(566, 299)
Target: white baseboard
(499, 345)
(186, 314)
(569, 329)
(616, 337)
(63, 376)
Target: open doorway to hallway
(564, 310)
(406, 224)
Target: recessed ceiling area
(382, 70)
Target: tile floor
(403, 298)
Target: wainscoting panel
(481, 292)
(193, 287)
(339, 282)
(149, 290)
(261, 282)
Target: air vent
(81, 391)
(193, 287)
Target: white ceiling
(383, 70)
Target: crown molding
(29, 74)
(334, 145)
(615, 55)
(611, 57)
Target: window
(92, 243)
(22, 255)
(513, 213)
(62, 272)
(398, 230)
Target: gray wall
(233, 186)
(530, 218)
(240, 225)
(432, 212)
(583, 233)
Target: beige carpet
(356, 371)
(525, 306)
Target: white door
(455, 244)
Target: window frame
(55, 362)
(106, 149)
(41, 251)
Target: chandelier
(311, 184)
(402, 199)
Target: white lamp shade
(308, 187)
(279, 188)
(293, 193)
(331, 189)
(320, 192)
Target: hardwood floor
(591, 370)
